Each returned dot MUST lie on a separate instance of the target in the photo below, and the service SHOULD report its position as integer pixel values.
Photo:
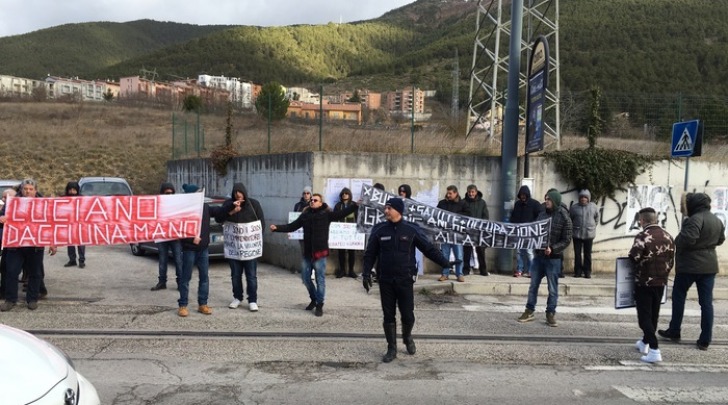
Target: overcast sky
(23, 16)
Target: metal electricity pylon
(489, 71)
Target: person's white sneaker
(653, 356)
(253, 307)
(642, 347)
(234, 304)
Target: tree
(355, 98)
(108, 96)
(272, 95)
(192, 103)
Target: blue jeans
(705, 284)
(164, 248)
(457, 251)
(250, 268)
(524, 258)
(317, 292)
(201, 259)
(544, 266)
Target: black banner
(445, 227)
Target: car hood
(30, 366)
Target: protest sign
(243, 241)
(97, 220)
(446, 227)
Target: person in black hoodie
(195, 252)
(72, 190)
(525, 210)
(345, 201)
(164, 247)
(478, 209)
(241, 209)
(315, 222)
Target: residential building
(82, 90)
(239, 93)
(11, 86)
(403, 101)
(349, 112)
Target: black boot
(339, 273)
(319, 309)
(390, 332)
(407, 338)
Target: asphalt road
(131, 344)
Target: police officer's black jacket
(392, 245)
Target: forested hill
(651, 46)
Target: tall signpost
(687, 141)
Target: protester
(195, 252)
(392, 246)
(453, 203)
(163, 248)
(584, 216)
(73, 190)
(341, 271)
(653, 255)
(8, 192)
(241, 209)
(547, 262)
(478, 209)
(315, 222)
(405, 191)
(525, 210)
(696, 261)
(30, 258)
(301, 205)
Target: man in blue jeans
(453, 203)
(547, 262)
(315, 222)
(696, 261)
(165, 247)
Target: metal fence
(188, 135)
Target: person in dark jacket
(478, 209)
(344, 202)
(525, 210)
(453, 203)
(241, 209)
(8, 192)
(195, 252)
(315, 222)
(547, 262)
(653, 255)
(73, 190)
(696, 261)
(584, 216)
(392, 246)
(175, 246)
(301, 205)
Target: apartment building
(20, 87)
(350, 112)
(83, 90)
(404, 101)
(240, 93)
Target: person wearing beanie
(190, 188)
(175, 246)
(478, 209)
(344, 202)
(315, 221)
(547, 262)
(405, 191)
(73, 190)
(392, 245)
(584, 216)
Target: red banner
(88, 221)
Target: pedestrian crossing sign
(686, 139)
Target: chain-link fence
(188, 135)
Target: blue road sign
(684, 138)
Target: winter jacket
(456, 206)
(525, 211)
(315, 223)
(653, 253)
(188, 243)
(584, 217)
(250, 210)
(392, 246)
(701, 232)
(559, 231)
(341, 205)
(301, 205)
(477, 206)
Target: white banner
(298, 233)
(243, 241)
(343, 235)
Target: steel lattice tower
(489, 72)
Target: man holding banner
(243, 222)
(315, 222)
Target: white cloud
(23, 16)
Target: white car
(35, 372)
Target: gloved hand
(366, 282)
(455, 262)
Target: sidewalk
(502, 284)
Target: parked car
(9, 184)
(216, 248)
(103, 186)
(36, 372)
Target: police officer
(392, 245)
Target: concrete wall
(277, 181)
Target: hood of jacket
(585, 193)
(73, 185)
(167, 186)
(240, 187)
(345, 190)
(524, 190)
(695, 202)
